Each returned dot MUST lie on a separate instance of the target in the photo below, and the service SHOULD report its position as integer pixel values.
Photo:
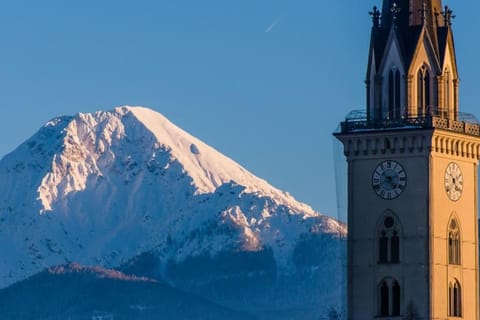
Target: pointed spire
(405, 26)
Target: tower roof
(408, 18)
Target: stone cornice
(413, 141)
(377, 143)
(459, 145)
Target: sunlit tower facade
(412, 174)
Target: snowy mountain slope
(87, 142)
(103, 188)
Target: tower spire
(402, 83)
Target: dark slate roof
(408, 27)
(443, 35)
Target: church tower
(412, 174)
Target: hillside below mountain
(83, 293)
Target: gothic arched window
(395, 299)
(384, 300)
(383, 248)
(423, 88)
(389, 241)
(454, 243)
(455, 299)
(395, 248)
(389, 298)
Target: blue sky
(263, 81)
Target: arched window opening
(395, 248)
(389, 298)
(450, 299)
(423, 88)
(384, 300)
(395, 299)
(383, 256)
(454, 243)
(455, 299)
(389, 241)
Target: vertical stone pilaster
(369, 101)
(456, 84)
(378, 98)
(441, 95)
(411, 101)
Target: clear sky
(263, 81)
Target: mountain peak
(89, 140)
(99, 188)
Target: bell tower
(412, 174)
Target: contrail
(273, 25)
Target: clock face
(453, 181)
(389, 180)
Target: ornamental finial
(448, 16)
(395, 10)
(375, 13)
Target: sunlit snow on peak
(99, 188)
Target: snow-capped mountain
(105, 188)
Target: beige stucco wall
(365, 216)
(424, 211)
(441, 211)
